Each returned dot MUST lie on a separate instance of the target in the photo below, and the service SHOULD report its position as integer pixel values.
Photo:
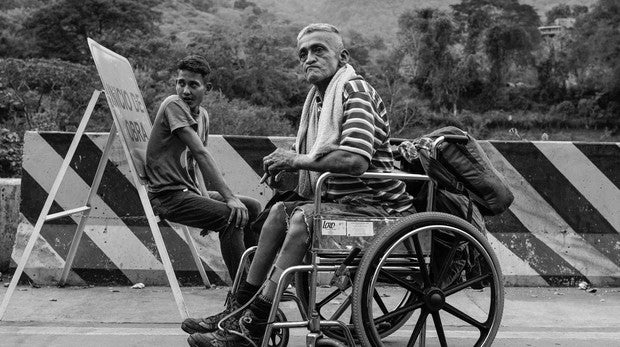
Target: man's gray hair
(318, 27)
(322, 27)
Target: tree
(598, 30)
(360, 47)
(60, 28)
(503, 45)
(386, 75)
(12, 42)
(595, 52)
(564, 11)
(42, 94)
(558, 11)
(254, 60)
(506, 31)
(430, 37)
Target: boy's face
(319, 55)
(191, 88)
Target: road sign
(125, 102)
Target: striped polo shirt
(366, 131)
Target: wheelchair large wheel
(442, 262)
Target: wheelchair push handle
(450, 138)
(458, 139)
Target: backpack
(461, 169)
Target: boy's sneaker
(209, 324)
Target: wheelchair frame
(311, 318)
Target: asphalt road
(121, 316)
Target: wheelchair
(407, 276)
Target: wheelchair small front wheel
(442, 262)
(279, 336)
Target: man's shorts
(352, 209)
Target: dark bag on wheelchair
(461, 169)
(465, 261)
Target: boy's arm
(208, 168)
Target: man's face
(319, 54)
(191, 88)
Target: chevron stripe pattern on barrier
(117, 246)
(563, 227)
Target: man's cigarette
(264, 178)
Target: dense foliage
(481, 65)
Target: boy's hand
(238, 214)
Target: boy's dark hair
(195, 63)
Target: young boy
(178, 143)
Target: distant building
(559, 25)
(550, 30)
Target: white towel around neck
(317, 138)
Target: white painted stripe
(544, 223)
(528, 335)
(117, 153)
(105, 229)
(400, 334)
(512, 265)
(586, 177)
(46, 256)
(90, 331)
(238, 174)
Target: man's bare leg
(292, 253)
(271, 238)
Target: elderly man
(177, 145)
(344, 128)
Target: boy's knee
(229, 233)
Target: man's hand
(279, 160)
(238, 214)
(271, 181)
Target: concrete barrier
(563, 227)
(9, 218)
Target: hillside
(252, 48)
(373, 17)
(368, 17)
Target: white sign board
(125, 102)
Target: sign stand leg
(93, 191)
(163, 252)
(48, 203)
(192, 248)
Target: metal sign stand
(85, 212)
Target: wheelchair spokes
(431, 258)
